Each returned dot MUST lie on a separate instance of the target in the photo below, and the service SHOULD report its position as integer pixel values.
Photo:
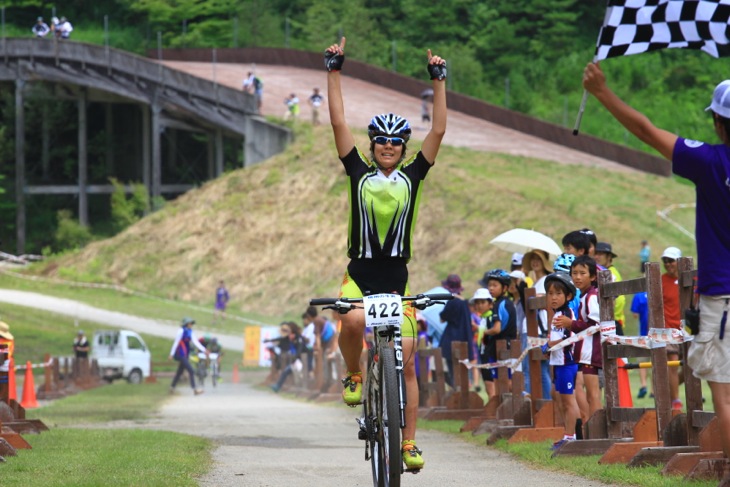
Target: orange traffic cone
(624, 387)
(12, 388)
(29, 399)
(235, 373)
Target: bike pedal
(413, 470)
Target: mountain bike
(201, 369)
(384, 398)
(214, 368)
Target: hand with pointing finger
(334, 56)
(436, 67)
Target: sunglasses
(394, 141)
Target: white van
(121, 354)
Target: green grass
(119, 401)
(76, 457)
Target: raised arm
(432, 142)
(635, 122)
(334, 58)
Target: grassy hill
(276, 232)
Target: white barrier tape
(576, 338)
(510, 362)
(657, 338)
(122, 289)
(34, 366)
(536, 342)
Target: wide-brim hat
(606, 248)
(481, 293)
(5, 331)
(453, 283)
(187, 321)
(527, 259)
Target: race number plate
(383, 310)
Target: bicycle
(202, 366)
(384, 398)
(214, 368)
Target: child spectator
(604, 257)
(587, 351)
(644, 255)
(560, 290)
(576, 243)
(292, 107)
(640, 308)
(672, 315)
(482, 303)
(504, 317)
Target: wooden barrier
(431, 383)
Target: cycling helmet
(563, 263)
(389, 124)
(500, 275)
(562, 277)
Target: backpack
(257, 83)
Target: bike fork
(398, 346)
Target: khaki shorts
(709, 356)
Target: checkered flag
(635, 26)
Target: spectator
(604, 257)
(516, 265)
(644, 255)
(315, 100)
(292, 107)
(180, 351)
(640, 308)
(516, 290)
(253, 84)
(587, 352)
(221, 301)
(432, 316)
(483, 305)
(279, 345)
(426, 99)
(54, 27)
(81, 345)
(592, 238)
(672, 315)
(297, 349)
(457, 317)
(7, 339)
(576, 243)
(64, 28)
(536, 266)
(560, 291)
(308, 334)
(504, 315)
(41, 29)
(707, 167)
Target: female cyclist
(384, 194)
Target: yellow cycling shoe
(411, 455)
(352, 394)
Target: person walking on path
(315, 101)
(385, 187)
(708, 168)
(292, 107)
(221, 302)
(180, 351)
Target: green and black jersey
(383, 209)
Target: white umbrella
(522, 241)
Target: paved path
(267, 440)
(82, 311)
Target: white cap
(481, 293)
(672, 253)
(517, 274)
(721, 99)
(517, 258)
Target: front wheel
(384, 413)
(214, 373)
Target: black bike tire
(389, 415)
(214, 373)
(371, 399)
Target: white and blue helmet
(389, 124)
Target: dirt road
(363, 100)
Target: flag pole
(580, 112)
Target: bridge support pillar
(83, 159)
(20, 165)
(146, 155)
(156, 153)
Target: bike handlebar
(343, 305)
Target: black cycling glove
(333, 61)
(437, 71)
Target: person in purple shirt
(707, 166)
(221, 301)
